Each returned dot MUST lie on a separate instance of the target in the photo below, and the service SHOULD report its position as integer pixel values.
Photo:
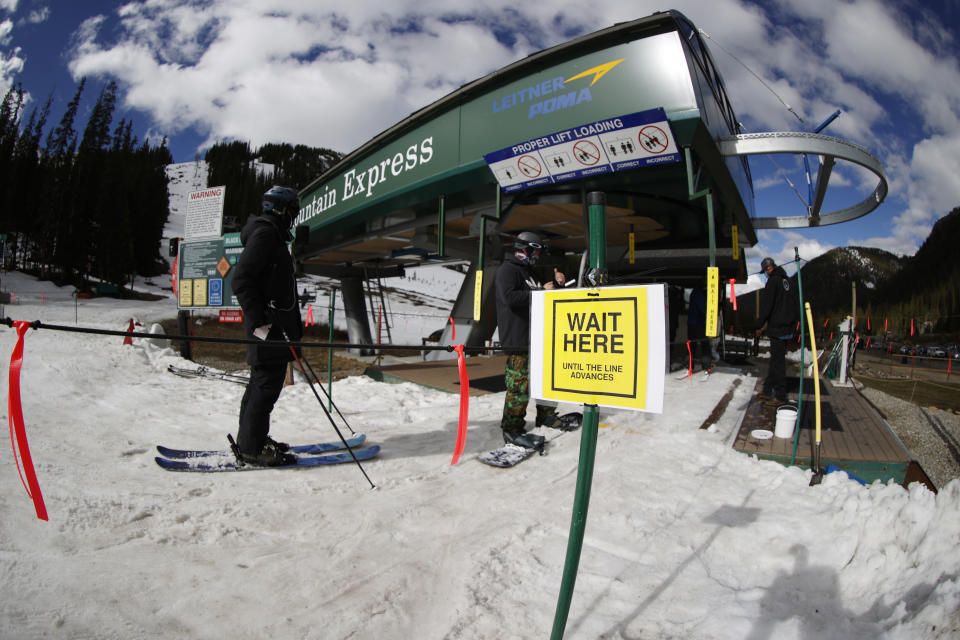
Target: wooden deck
(853, 436)
(485, 372)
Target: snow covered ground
(685, 538)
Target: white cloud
(931, 189)
(337, 74)
(934, 169)
(37, 16)
(268, 70)
(783, 247)
(11, 61)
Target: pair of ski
(307, 455)
(206, 372)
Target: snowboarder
(779, 311)
(515, 280)
(266, 287)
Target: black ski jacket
(779, 305)
(515, 281)
(266, 287)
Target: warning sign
(615, 144)
(602, 346)
(204, 217)
(223, 266)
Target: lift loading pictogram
(653, 139)
(587, 153)
(529, 166)
(623, 143)
(619, 147)
(558, 160)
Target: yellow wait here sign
(599, 346)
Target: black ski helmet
(528, 246)
(527, 239)
(282, 202)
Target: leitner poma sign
(605, 347)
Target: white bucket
(786, 420)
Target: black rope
(36, 324)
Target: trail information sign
(206, 273)
(599, 346)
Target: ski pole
(324, 389)
(327, 413)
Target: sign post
(588, 439)
(603, 346)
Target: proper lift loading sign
(614, 144)
(599, 346)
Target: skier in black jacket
(515, 280)
(779, 311)
(266, 287)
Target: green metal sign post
(588, 438)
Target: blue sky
(335, 74)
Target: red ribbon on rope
(733, 293)
(690, 356)
(18, 432)
(464, 405)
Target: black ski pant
(776, 382)
(266, 383)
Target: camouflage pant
(518, 395)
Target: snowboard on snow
(508, 455)
(216, 463)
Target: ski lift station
(637, 111)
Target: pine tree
(23, 203)
(9, 131)
(60, 217)
(102, 221)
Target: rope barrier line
(36, 324)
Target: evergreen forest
(82, 203)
